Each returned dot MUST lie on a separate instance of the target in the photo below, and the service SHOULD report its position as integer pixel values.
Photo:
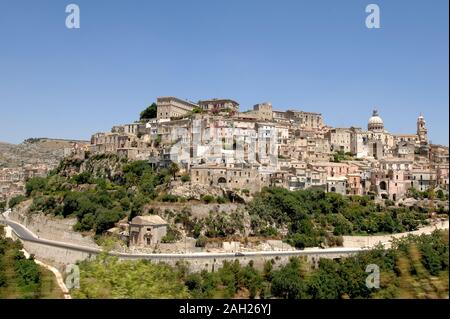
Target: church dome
(375, 122)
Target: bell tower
(422, 131)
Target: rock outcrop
(195, 191)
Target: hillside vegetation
(21, 277)
(415, 267)
(98, 191)
(103, 189)
(314, 217)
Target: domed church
(376, 123)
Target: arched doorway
(383, 186)
(222, 180)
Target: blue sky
(310, 55)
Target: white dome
(375, 122)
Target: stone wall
(56, 256)
(370, 241)
(196, 264)
(51, 228)
(60, 257)
(199, 210)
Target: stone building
(260, 112)
(307, 120)
(263, 111)
(123, 144)
(354, 184)
(335, 169)
(408, 138)
(422, 179)
(405, 150)
(439, 158)
(172, 107)
(147, 230)
(281, 117)
(217, 105)
(359, 142)
(238, 177)
(292, 149)
(439, 154)
(340, 139)
(337, 185)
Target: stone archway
(222, 180)
(383, 186)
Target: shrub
(169, 198)
(201, 241)
(172, 236)
(185, 178)
(208, 199)
(82, 178)
(389, 202)
(221, 200)
(16, 200)
(35, 184)
(197, 230)
(44, 203)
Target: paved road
(25, 234)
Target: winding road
(25, 234)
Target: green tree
(106, 219)
(173, 169)
(288, 282)
(325, 283)
(35, 184)
(16, 200)
(149, 113)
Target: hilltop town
(216, 145)
(34, 157)
(203, 178)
